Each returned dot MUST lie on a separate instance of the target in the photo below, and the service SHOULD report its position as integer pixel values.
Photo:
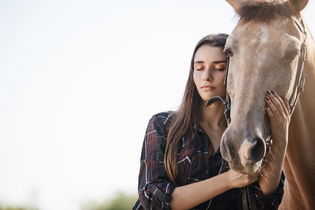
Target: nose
(252, 150)
(208, 74)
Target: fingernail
(273, 92)
(268, 92)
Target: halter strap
(227, 101)
(300, 77)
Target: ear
(236, 4)
(299, 4)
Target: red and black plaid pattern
(194, 164)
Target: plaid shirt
(194, 164)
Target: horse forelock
(265, 11)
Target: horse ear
(235, 4)
(299, 4)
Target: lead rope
(220, 171)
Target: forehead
(254, 29)
(209, 53)
(275, 33)
(252, 33)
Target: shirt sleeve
(268, 202)
(154, 186)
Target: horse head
(265, 51)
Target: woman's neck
(213, 116)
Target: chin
(208, 97)
(248, 169)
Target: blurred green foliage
(11, 208)
(120, 201)
(15, 208)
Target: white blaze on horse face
(264, 35)
(244, 152)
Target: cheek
(196, 77)
(221, 77)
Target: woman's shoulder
(163, 117)
(161, 122)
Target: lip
(207, 87)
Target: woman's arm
(278, 111)
(156, 190)
(188, 196)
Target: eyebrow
(221, 61)
(215, 62)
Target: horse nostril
(257, 149)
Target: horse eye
(228, 52)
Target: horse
(271, 48)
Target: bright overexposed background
(79, 81)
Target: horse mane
(265, 11)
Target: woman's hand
(238, 180)
(278, 111)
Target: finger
(275, 106)
(276, 100)
(286, 102)
(271, 105)
(270, 113)
(284, 109)
(252, 178)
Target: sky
(79, 81)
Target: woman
(181, 165)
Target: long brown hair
(189, 111)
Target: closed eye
(198, 66)
(220, 66)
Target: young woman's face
(209, 71)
